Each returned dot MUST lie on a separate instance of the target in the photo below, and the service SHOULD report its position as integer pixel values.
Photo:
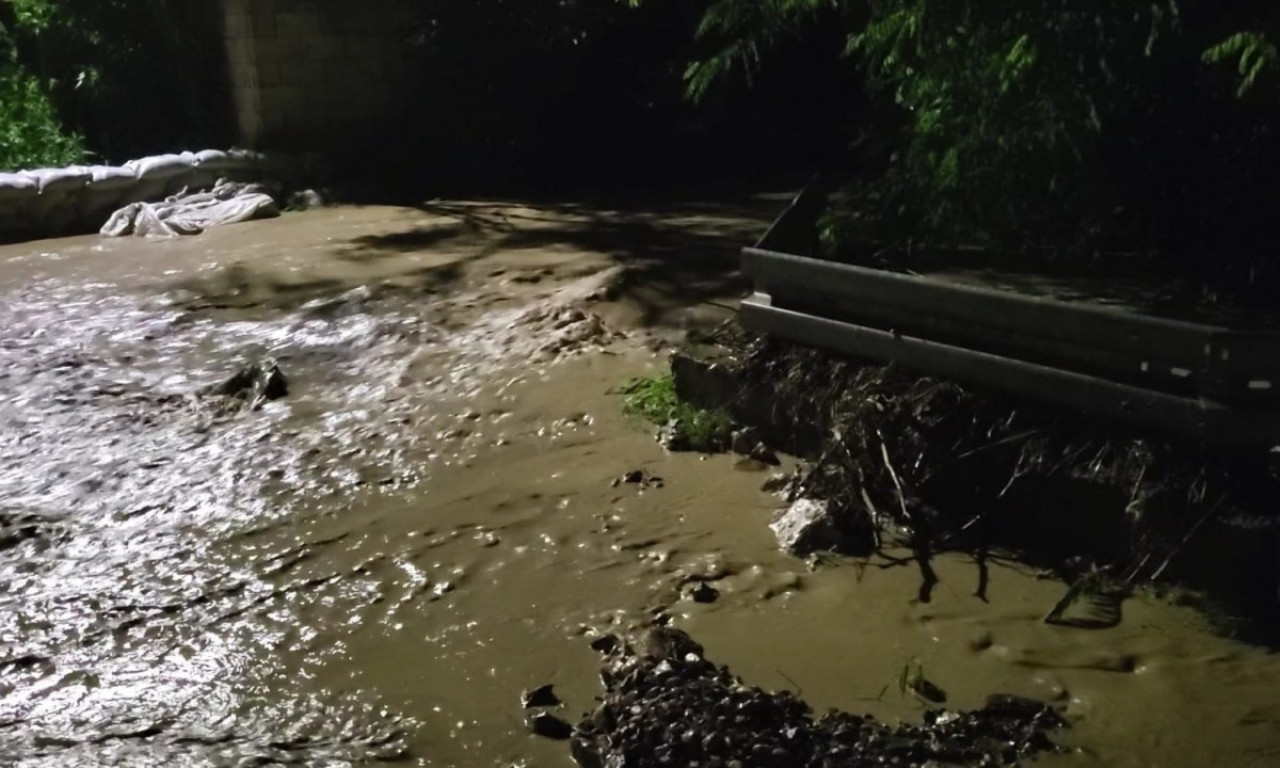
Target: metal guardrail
(1216, 383)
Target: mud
(376, 565)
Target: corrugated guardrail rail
(1216, 383)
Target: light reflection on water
(130, 636)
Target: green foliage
(31, 134)
(1252, 52)
(1003, 102)
(129, 76)
(36, 15)
(1074, 125)
(655, 401)
(747, 29)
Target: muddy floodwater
(374, 567)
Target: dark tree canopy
(1082, 126)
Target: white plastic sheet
(190, 214)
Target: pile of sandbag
(78, 199)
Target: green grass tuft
(655, 401)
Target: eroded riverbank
(375, 566)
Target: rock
(254, 383)
(776, 482)
(585, 754)
(605, 643)
(662, 642)
(765, 455)
(549, 726)
(305, 200)
(542, 696)
(671, 436)
(744, 442)
(704, 593)
(704, 376)
(638, 477)
(343, 304)
(808, 526)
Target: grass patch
(685, 427)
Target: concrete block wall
(317, 75)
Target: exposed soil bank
(934, 465)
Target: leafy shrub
(1082, 126)
(31, 135)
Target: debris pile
(929, 463)
(665, 704)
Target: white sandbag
(61, 182)
(214, 164)
(16, 186)
(162, 167)
(18, 193)
(158, 176)
(57, 208)
(112, 178)
(110, 188)
(214, 159)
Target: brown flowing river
(374, 567)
